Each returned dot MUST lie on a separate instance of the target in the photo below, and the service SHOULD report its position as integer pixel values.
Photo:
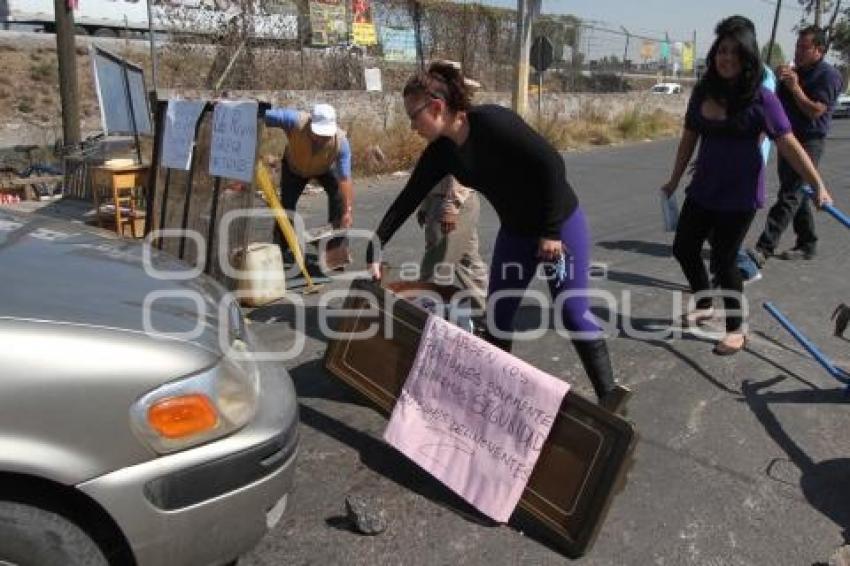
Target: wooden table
(114, 190)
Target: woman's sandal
(724, 349)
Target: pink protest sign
(474, 417)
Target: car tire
(30, 535)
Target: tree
(777, 57)
(841, 37)
(826, 6)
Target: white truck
(271, 19)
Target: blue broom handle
(837, 214)
(805, 342)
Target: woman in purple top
(729, 113)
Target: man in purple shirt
(808, 93)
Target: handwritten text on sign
(474, 417)
(234, 140)
(179, 135)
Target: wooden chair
(115, 195)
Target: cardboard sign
(474, 417)
(181, 117)
(234, 140)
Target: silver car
(136, 424)
(842, 106)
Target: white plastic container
(263, 280)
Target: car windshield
(659, 88)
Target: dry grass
(594, 129)
(25, 105)
(373, 150)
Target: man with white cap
(316, 149)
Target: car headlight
(201, 407)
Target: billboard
(362, 27)
(399, 44)
(327, 22)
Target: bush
(640, 125)
(43, 72)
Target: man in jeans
(808, 92)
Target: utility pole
(818, 11)
(625, 56)
(525, 14)
(152, 36)
(417, 31)
(66, 55)
(773, 33)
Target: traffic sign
(542, 53)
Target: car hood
(68, 273)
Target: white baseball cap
(323, 120)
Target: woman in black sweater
(492, 150)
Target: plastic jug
(263, 279)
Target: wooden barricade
(583, 462)
(193, 200)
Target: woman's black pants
(727, 229)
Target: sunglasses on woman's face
(413, 115)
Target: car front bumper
(211, 503)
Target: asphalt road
(741, 460)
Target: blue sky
(678, 18)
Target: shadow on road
(784, 370)
(779, 344)
(824, 484)
(301, 318)
(653, 249)
(386, 461)
(312, 381)
(631, 279)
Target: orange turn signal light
(176, 417)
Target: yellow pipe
(266, 185)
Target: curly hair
(442, 80)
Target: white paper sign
(179, 135)
(373, 79)
(474, 417)
(234, 140)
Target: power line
(635, 35)
(796, 8)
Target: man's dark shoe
(797, 254)
(841, 316)
(759, 256)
